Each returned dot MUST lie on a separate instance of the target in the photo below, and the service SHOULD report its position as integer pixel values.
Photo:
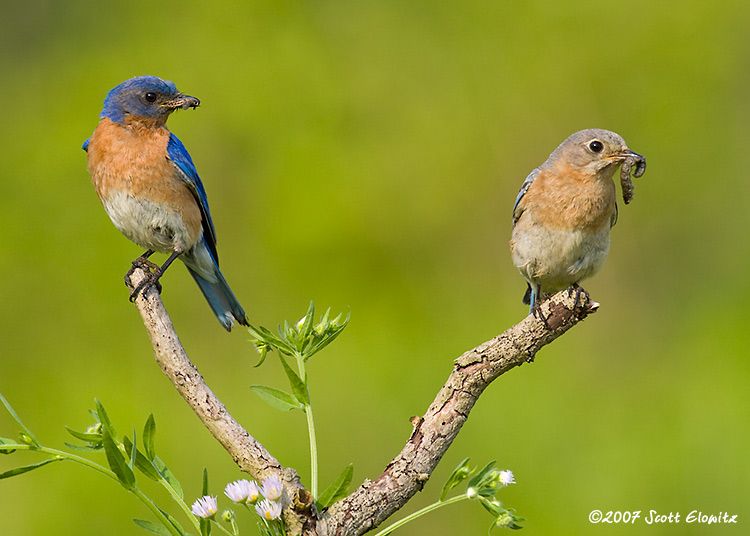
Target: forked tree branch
(407, 473)
(249, 455)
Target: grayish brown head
(593, 150)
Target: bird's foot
(536, 310)
(575, 291)
(143, 263)
(582, 302)
(152, 274)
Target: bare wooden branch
(407, 473)
(249, 455)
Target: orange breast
(132, 159)
(568, 199)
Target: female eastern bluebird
(151, 191)
(564, 211)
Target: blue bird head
(145, 98)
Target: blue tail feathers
(221, 299)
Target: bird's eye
(596, 146)
(150, 96)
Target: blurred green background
(366, 155)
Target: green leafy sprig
(482, 487)
(124, 461)
(299, 342)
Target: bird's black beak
(182, 101)
(627, 152)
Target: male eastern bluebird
(151, 191)
(564, 211)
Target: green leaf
(27, 468)
(324, 321)
(84, 448)
(299, 389)
(516, 520)
(132, 450)
(152, 527)
(460, 473)
(26, 439)
(149, 435)
(117, 462)
(172, 521)
(142, 463)
(205, 482)
(265, 341)
(108, 427)
(338, 488)
(167, 476)
(288, 343)
(328, 338)
(307, 326)
(257, 337)
(84, 436)
(263, 351)
(478, 479)
(261, 335)
(205, 524)
(31, 440)
(493, 508)
(5, 441)
(269, 337)
(261, 345)
(276, 398)
(146, 467)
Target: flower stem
(419, 513)
(224, 529)
(313, 451)
(181, 503)
(310, 427)
(67, 456)
(155, 510)
(106, 472)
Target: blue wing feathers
(181, 158)
(525, 186)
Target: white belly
(148, 224)
(556, 259)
